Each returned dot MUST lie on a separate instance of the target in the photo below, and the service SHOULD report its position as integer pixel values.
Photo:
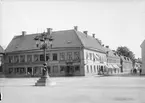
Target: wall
(92, 64)
(143, 58)
(52, 64)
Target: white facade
(143, 56)
(93, 60)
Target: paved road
(75, 90)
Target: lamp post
(43, 41)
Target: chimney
(107, 46)
(49, 31)
(93, 35)
(23, 33)
(76, 28)
(85, 32)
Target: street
(111, 89)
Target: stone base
(44, 81)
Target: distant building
(73, 53)
(126, 64)
(1, 59)
(143, 56)
(113, 60)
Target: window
(87, 56)
(77, 68)
(94, 68)
(69, 56)
(49, 69)
(10, 70)
(87, 69)
(91, 68)
(62, 56)
(22, 70)
(41, 57)
(22, 58)
(55, 56)
(16, 59)
(76, 56)
(36, 57)
(10, 59)
(62, 68)
(47, 57)
(29, 58)
(90, 56)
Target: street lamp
(43, 41)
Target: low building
(126, 64)
(143, 56)
(113, 60)
(73, 53)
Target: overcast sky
(115, 22)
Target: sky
(115, 22)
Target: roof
(1, 49)
(124, 58)
(65, 38)
(89, 42)
(143, 44)
(111, 53)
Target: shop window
(22, 70)
(62, 56)
(62, 68)
(22, 58)
(36, 57)
(69, 56)
(55, 56)
(29, 58)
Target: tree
(126, 52)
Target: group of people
(135, 71)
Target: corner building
(73, 53)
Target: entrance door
(69, 71)
(29, 71)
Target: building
(73, 53)
(126, 64)
(143, 56)
(113, 60)
(1, 59)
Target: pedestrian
(140, 70)
(0, 96)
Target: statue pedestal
(44, 81)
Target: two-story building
(113, 60)
(126, 64)
(73, 53)
(143, 56)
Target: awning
(115, 66)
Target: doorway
(69, 71)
